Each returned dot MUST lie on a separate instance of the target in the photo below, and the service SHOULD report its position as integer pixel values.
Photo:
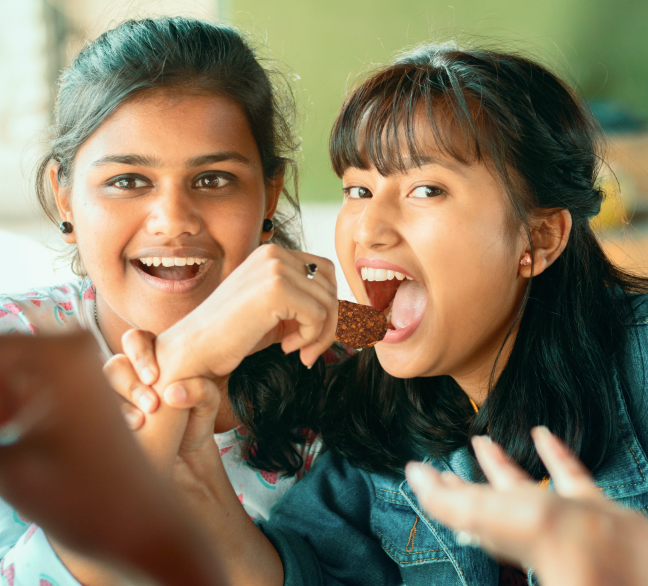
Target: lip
(396, 336)
(380, 264)
(175, 287)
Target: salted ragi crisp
(359, 326)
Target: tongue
(409, 304)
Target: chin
(398, 365)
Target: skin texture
(574, 536)
(448, 225)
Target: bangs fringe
(379, 124)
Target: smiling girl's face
(167, 197)
(435, 245)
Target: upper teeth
(369, 274)
(156, 261)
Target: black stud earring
(66, 227)
(268, 225)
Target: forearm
(90, 572)
(247, 555)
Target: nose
(173, 213)
(375, 228)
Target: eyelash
(222, 177)
(348, 190)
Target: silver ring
(311, 269)
(467, 539)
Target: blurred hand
(574, 536)
(77, 471)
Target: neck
(112, 326)
(475, 379)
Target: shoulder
(48, 310)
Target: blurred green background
(599, 45)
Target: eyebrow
(441, 162)
(218, 158)
(134, 160)
(144, 161)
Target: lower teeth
(388, 314)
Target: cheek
(469, 263)
(236, 228)
(103, 230)
(345, 249)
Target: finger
(313, 342)
(309, 312)
(122, 378)
(500, 471)
(569, 475)
(139, 346)
(311, 352)
(188, 393)
(325, 274)
(134, 417)
(200, 427)
(505, 523)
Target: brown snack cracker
(359, 326)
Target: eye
(424, 191)
(211, 181)
(356, 192)
(128, 182)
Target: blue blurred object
(615, 117)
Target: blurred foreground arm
(574, 536)
(77, 471)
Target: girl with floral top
(169, 155)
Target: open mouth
(399, 296)
(172, 268)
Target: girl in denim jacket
(469, 179)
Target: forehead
(172, 127)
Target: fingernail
(309, 366)
(480, 440)
(145, 402)
(416, 476)
(541, 431)
(147, 376)
(175, 395)
(131, 419)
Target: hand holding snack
(275, 296)
(573, 536)
(358, 326)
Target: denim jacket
(341, 525)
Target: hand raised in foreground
(75, 469)
(574, 536)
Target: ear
(273, 192)
(550, 236)
(63, 203)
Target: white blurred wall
(24, 102)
